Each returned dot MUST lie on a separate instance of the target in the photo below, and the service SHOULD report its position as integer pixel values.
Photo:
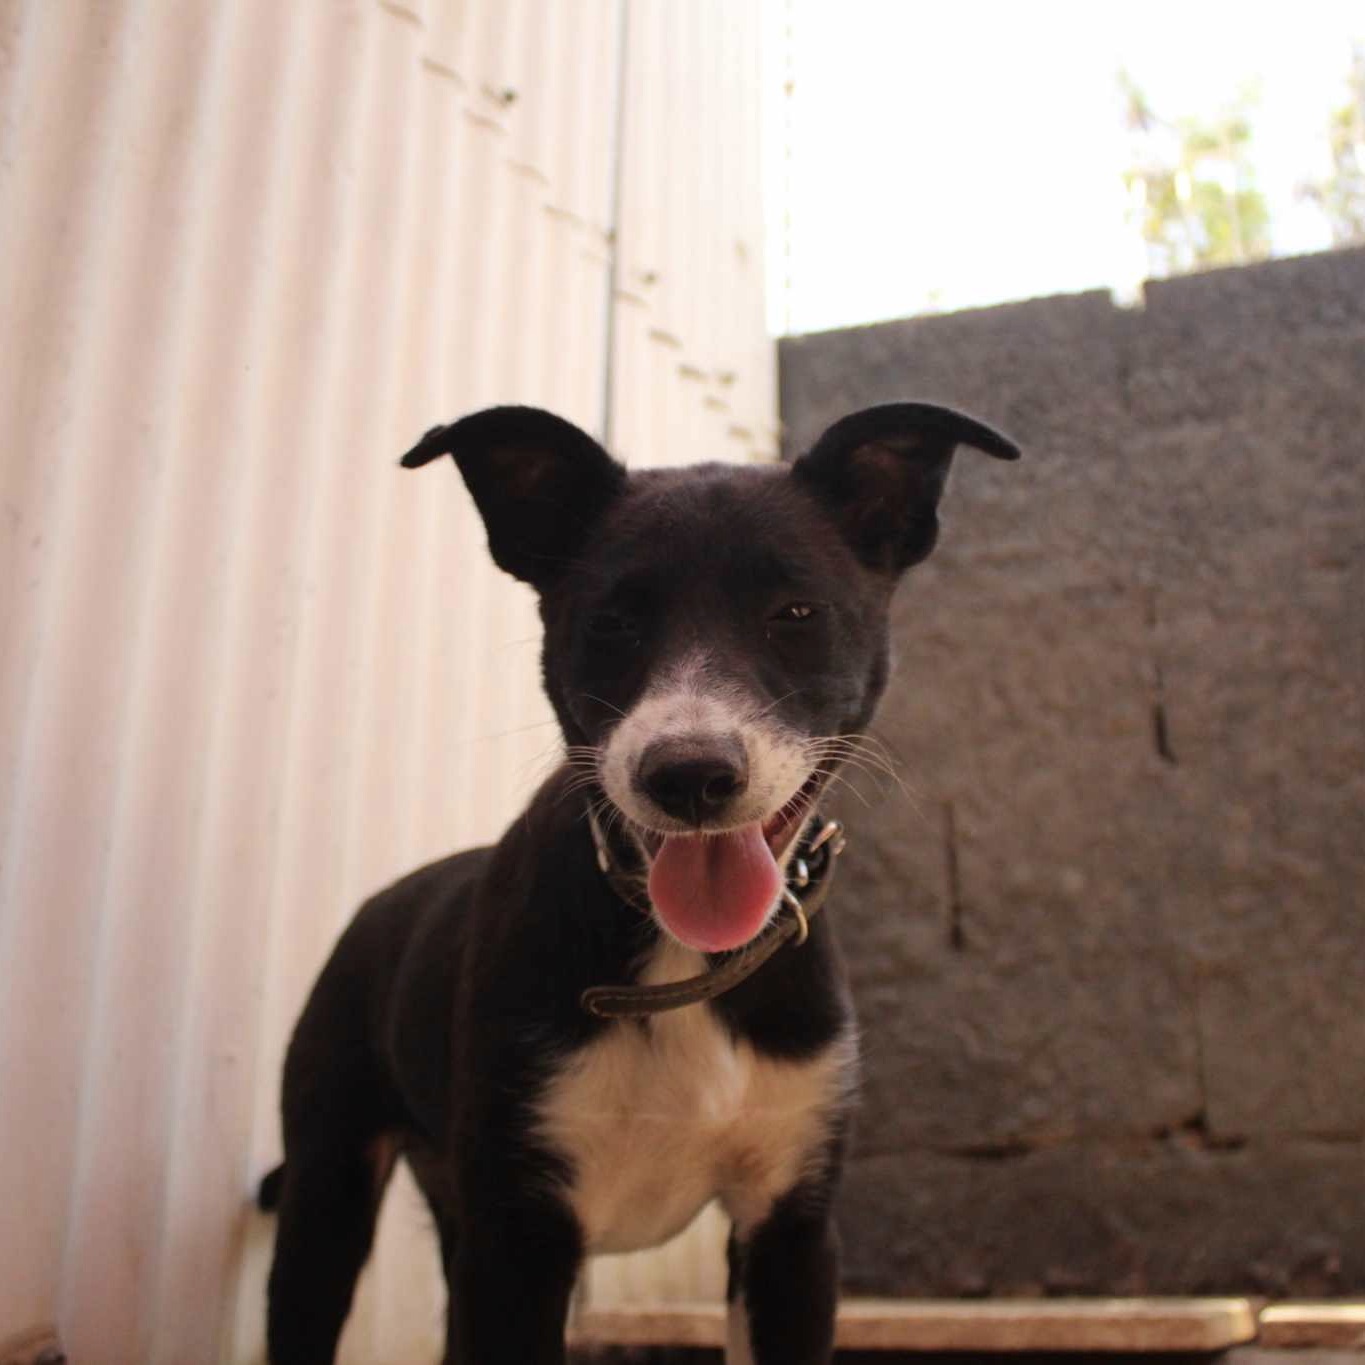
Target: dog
(627, 1008)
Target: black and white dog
(715, 639)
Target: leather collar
(807, 885)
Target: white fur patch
(690, 704)
(658, 1121)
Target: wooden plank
(953, 1325)
(1329, 1325)
(1048, 1325)
(671, 1324)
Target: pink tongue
(714, 891)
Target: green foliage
(1342, 195)
(1191, 187)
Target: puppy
(629, 1007)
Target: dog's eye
(795, 611)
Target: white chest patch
(658, 1121)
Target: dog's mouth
(715, 890)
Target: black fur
(454, 995)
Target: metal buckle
(799, 910)
(832, 830)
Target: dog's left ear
(540, 484)
(880, 474)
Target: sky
(936, 156)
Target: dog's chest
(656, 1121)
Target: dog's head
(715, 636)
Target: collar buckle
(813, 867)
(832, 833)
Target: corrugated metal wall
(250, 669)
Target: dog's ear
(880, 473)
(538, 481)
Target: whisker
(831, 776)
(844, 744)
(602, 701)
(517, 730)
(867, 754)
(853, 760)
(866, 746)
(773, 705)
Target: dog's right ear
(880, 474)
(539, 482)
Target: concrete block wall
(1109, 946)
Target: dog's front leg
(513, 1270)
(783, 1285)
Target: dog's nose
(692, 779)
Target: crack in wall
(1161, 727)
(952, 876)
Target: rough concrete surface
(1109, 943)
(1173, 1215)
